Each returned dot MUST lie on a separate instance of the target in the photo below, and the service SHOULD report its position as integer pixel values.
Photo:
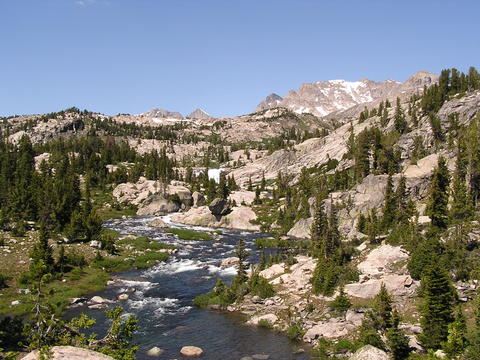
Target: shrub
(341, 303)
(264, 323)
(3, 281)
(295, 332)
(260, 286)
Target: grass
(189, 234)
(133, 253)
(77, 283)
(107, 208)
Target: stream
(163, 295)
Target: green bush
(260, 286)
(3, 281)
(341, 303)
(295, 332)
(264, 323)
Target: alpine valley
(340, 220)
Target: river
(163, 297)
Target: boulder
(200, 216)
(239, 218)
(380, 259)
(176, 189)
(242, 197)
(270, 318)
(158, 204)
(68, 353)
(155, 351)
(198, 199)
(99, 300)
(123, 297)
(191, 351)
(273, 271)
(96, 244)
(301, 229)
(369, 352)
(229, 262)
(331, 329)
(300, 275)
(397, 285)
(219, 207)
(158, 223)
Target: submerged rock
(155, 352)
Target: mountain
(163, 114)
(325, 97)
(271, 101)
(199, 114)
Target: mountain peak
(199, 114)
(163, 114)
(271, 101)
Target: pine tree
(22, 199)
(332, 239)
(437, 310)
(42, 255)
(402, 212)
(438, 200)
(242, 255)
(383, 308)
(399, 118)
(319, 227)
(457, 331)
(473, 349)
(461, 208)
(389, 208)
(397, 341)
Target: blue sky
(128, 56)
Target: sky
(225, 56)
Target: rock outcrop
(385, 264)
(301, 229)
(239, 218)
(68, 353)
(154, 197)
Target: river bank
(161, 297)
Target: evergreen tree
(23, 201)
(242, 268)
(42, 256)
(400, 122)
(461, 207)
(437, 310)
(319, 227)
(438, 200)
(389, 208)
(457, 331)
(403, 212)
(383, 308)
(473, 349)
(397, 341)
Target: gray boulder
(219, 207)
(369, 352)
(158, 204)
